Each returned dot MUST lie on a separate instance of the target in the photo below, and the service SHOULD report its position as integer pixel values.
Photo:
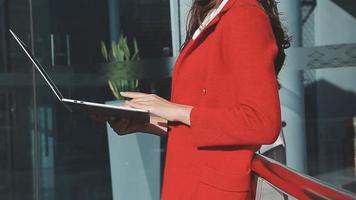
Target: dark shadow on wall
(347, 5)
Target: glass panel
(76, 153)
(149, 22)
(73, 149)
(74, 159)
(18, 155)
(330, 96)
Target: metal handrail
(294, 183)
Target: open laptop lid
(142, 116)
(38, 67)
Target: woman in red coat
(224, 101)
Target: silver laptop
(138, 115)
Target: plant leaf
(121, 74)
(114, 89)
(104, 51)
(126, 49)
(136, 51)
(120, 55)
(114, 50)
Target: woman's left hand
(159, 106)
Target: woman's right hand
(122, 126)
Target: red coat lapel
(212, 23)
(192, 43)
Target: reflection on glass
(17, 134)
(330, 99)
(73, 150)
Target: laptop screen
(38, 67)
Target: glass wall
(330, 90)
(47, 152)
(17, 122)
(330, 95)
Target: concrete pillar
(175, 20)
(179, 14)
(114, 19)
(135, 163)
(292, 92)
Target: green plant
(121, 75)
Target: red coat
(227, 74)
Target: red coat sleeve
(249, 49)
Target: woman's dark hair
(201, 8)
